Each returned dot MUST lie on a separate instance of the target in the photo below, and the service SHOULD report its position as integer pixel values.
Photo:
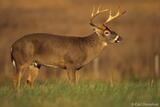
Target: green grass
(83, 94)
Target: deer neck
(95, 40)
(93, 46)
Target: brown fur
(69, 53)
(61, 50)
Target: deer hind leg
(32, 74)
(17, 79)
(72, 76)
(18, 76)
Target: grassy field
(84, 94)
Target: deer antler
(94, 14)
(113, 17)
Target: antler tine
(115, 16)
(97, 12)
(94, 14)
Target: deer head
(102, 30)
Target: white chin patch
(116, 39)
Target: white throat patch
(104, 43)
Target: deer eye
(106, 33)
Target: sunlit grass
(83, 94)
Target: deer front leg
(72, 76)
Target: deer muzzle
(117, 39)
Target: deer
(70, 53)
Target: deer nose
(118, 39)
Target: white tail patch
(13, 61)
(14, 64)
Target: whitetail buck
(69, 53)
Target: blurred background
(136, 58)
